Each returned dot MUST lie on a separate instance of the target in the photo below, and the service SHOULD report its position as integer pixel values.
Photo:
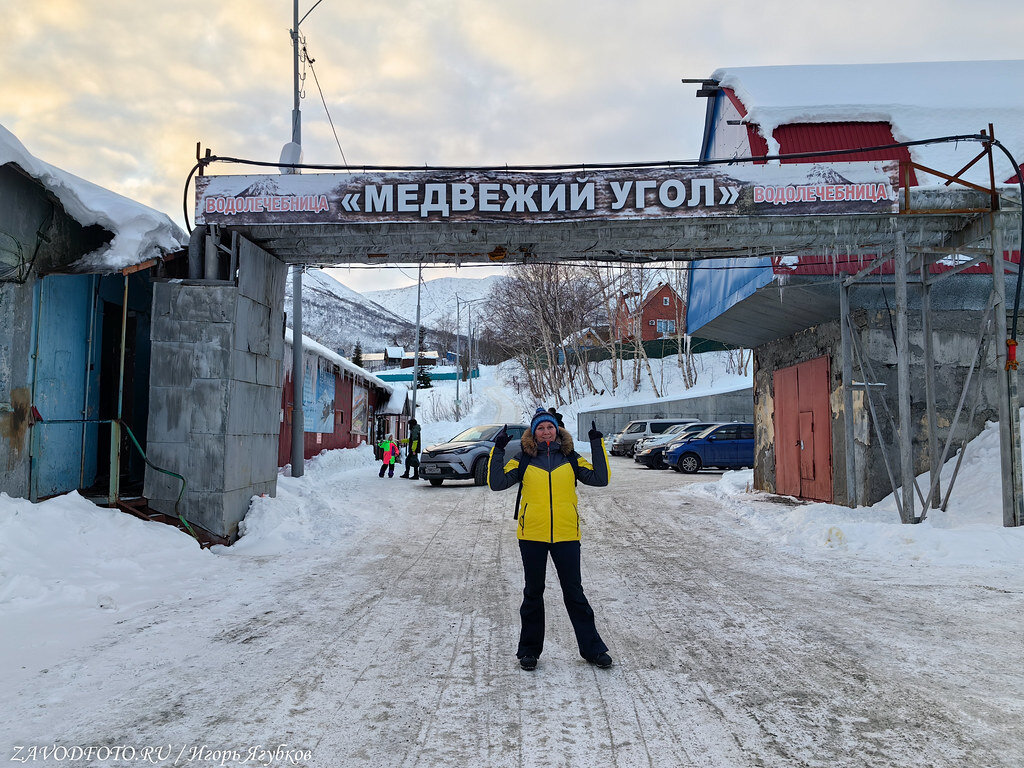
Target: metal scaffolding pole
(929, 387)
(906, 436)
(1009, 406)
(298, 376)
(851, 445)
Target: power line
(309, 60)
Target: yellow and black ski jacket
(548, 508)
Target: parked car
(624, 442)
(653, 454)
(725, 446)
(464, 457)
(644, 443)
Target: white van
(624, 443)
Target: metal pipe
(851, 446)
(877, 427)
(1009, 434)
(1005, 432)
(88, 369)
(114, 485)
(906, 437)
(37, 297)
(196, 243)
(929, 388)
(458, 353)
(296, 114)
(298, 376)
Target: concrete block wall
(955, 343)
(216, 391)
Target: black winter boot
(416, 474)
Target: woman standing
(547, 470)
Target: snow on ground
(968, 533)
(87, 594)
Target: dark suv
(464, 457)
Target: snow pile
(968, 533)
(316, 510)
(67, 552)
(140, 233)
(919, 100)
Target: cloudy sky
(120, 91)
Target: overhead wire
(976, 137)
(309, 59)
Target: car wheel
(689, 463)
(632, 451)
(480, 471)
(436, 482)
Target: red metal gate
(803, 430)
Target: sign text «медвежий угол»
(843, 188)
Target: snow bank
(919, 100)
(316, 510)
(968, 533)
(68, 552)
(140, 233)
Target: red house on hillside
(660, 314)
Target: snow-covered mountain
(437, 300)
(338, 317)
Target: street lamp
(469, 303)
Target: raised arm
(596, 474)
(499, 474)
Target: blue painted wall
(61, 373)
(717, 284)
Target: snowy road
(395, 647)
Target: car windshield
(675, 429)
(475, 434)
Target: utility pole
(298, 369)
(458, 356)
(416, 359)
(469, 329)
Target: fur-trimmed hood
(529, 442)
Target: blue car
(725, 446)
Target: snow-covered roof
(342, 362)
(396, 404)
(140, 233)
(423, 354)
(919, 101)
(394, 352)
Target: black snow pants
(566, 557)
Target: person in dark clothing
(547, 469)
(412, 452)
(558, 417)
